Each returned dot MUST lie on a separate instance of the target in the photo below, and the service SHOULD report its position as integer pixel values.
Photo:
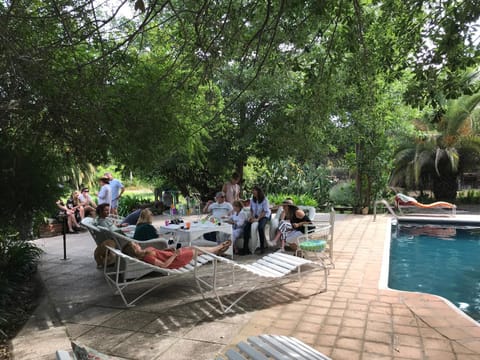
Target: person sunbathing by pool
(170, 258)
(402, 199)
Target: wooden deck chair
(275, 266)
(275, 347)
(117, 280)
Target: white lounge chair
(97, 235)
(132, 270)
(403, 201)
(121, 240)
(276, 266)
(275, 347)
(270, 269)
(119, 281)
(80, 352)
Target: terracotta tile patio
(354, 319)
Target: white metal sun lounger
(119, 283)
(122, 240)
(277, 266)
(132, 270)
(275, 347)
(268, 269)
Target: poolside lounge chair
(121, 240)
(119, 282)
(132, 270)
(271, 269)
(80, 352)
(402, 201)
(94, 231)
(275, 347)
(276, 266)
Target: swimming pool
(437, 259)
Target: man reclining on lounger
(170, 258)
(402, 199)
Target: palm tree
(442, 149)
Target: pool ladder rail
(387, 205)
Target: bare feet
(224, 246)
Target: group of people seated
(227, 207)
(166, 258)
(77, 206)
(81, 204)
(293, 222)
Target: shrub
(469, 197)
(304, 199)
(289, 177)
(128, 203)
(18, 260)
(343, 193)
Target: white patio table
(196, 231)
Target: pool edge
(384, 272)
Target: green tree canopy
(186, 90)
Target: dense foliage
(184, 92)
(18, 260)
(446, 145)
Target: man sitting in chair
(218, 210)
(103, 210)
(170, 258)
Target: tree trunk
(23, 222)
(445, 187)
(239, 170)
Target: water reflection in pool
(438, 259)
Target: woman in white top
(259, 212)
(237, 219)
(103, 195)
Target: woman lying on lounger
(170, 258)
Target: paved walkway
(354, 319)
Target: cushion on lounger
(313, 245)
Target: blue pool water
(438, 259)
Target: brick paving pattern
(354, 319)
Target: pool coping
(459, 218)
